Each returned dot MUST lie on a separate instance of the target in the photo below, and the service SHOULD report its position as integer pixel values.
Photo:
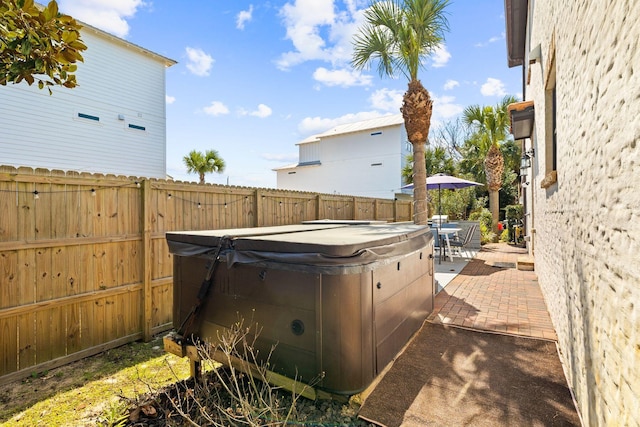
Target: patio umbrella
(442, 180)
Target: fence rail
(84, 265)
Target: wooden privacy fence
(84, 265)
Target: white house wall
(587, 224)
(43, 131)
(358, 164)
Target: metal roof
(168, 62)
(377, 123)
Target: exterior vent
(136, 127)
(376, 164)
(88, 117)
(290, 173)
(376, 133)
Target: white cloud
(199, 62)
(493, 87)
(450, 84)
(491, 40)
(440, 56)
(216, 108)
(169, 99)
(318, 31)
(262, 112)
(244, 17)
(341, 77)
(312, 125)
(444, 107)
(108, 15)
(386, 100)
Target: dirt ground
(80, 387)
(99, 390)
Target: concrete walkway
(489, 293)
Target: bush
(485, 219)
(513, 215)
(486, 235)
(504, 236)
(238, 393)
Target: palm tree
(491, 128)
(400, 34)
(201, 164)
(436, 160)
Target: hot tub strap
(188, 322)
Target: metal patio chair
(460, 244)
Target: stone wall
(586, 237)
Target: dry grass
(91, 391)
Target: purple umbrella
(442, 180)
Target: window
(551, 134)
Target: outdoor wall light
(522, 115)
(525, 160)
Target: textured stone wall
(587, 225)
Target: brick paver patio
(491, 294)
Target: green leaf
(25, 49)
(69, 36)
(40, 84)
(51, 10)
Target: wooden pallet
(174, 344)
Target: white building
(112, 122)
(359, 159)
(580, 130)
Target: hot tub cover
(331, 248)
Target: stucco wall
(587, 224)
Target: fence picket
(84, 264)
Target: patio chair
(436, 243)
(460, 244)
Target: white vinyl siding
(45, 131)
(361, 163)
(309, 152)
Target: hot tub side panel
(346, 334)
(403, 294)
(279, 305)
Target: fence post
(395, 210)
(375, 210)
(355, 208)
(147, 294)
(318, 206)
(258, 209)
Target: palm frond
(400, 34)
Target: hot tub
(338, 300)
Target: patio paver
(491, 294)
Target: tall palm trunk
(494, 168)
(416, 111)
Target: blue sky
(255, 78)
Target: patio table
(443, 234)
